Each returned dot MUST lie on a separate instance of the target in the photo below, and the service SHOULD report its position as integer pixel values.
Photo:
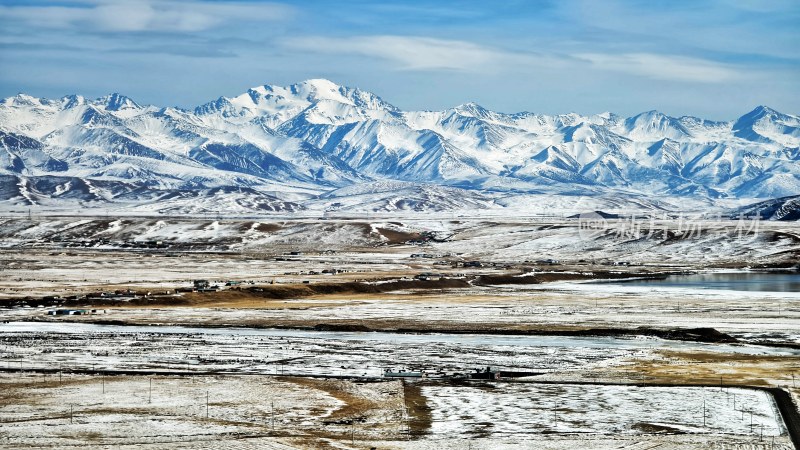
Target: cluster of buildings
(75, 312)
(477, 374)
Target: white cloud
(430, 54)
(411, 52)
(144, 15)
(663, 67)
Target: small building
(389, 373)
(75, 312)
(428, 276)
(485, 374)
(549, 261)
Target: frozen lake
(728, 281)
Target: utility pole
(206, 404)
(555, 416)
(704, 413)
(408, 422)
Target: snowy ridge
(785, 209)
(316, 138)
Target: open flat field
(292, 353)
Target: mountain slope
(785, 208)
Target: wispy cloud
(421, 53)
(407, 52)
(196, 51)
(430, 54)
(664, 67)
(24, 47)
(143, 15)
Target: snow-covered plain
(152, 412)
(500, 410)
(243, 373)
(71, 255)
(70, 410)
(688, 241)
(76, 346)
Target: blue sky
(715, 59)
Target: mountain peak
(764, 124)
(321, 83)
(763, 109)
(312, 90)
(470, 105)
(652, 114)
(472, 109)
(116, 102)
(315, 89)
(23, 100)
(655, 124)
(70, 101)
(758, 113)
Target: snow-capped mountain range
(277, 147)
